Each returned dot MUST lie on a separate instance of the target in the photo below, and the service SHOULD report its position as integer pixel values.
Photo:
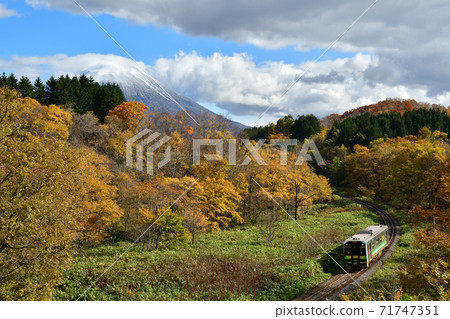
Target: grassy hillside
(235, 264)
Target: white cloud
(239, 86)
(6, 13)
(409, 38)
(104, 67)
(273, 23)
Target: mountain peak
(138, 85)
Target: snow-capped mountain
(138, 85)
(158, 97)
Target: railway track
(332, 288)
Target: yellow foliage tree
(401, 170)
(48, 193)
(220, 197)
(38, 215)
(97, 197)
(412, 174)
(190, 205)
(163, 228)
(293, 186)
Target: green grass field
(234, 264)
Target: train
(364, 247)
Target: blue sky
(238, 57)
(43, 32)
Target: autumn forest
(69, 205)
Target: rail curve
(333, 288)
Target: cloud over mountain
(237, 84)
(402, 46)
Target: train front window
(355, 248)
(348, 249)
(361, 249)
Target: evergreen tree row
(368, 127)
(82, 93)
(303, 127)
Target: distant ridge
(388, 105)
(391, 105)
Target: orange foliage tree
(132, 114)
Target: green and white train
(364, 247)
